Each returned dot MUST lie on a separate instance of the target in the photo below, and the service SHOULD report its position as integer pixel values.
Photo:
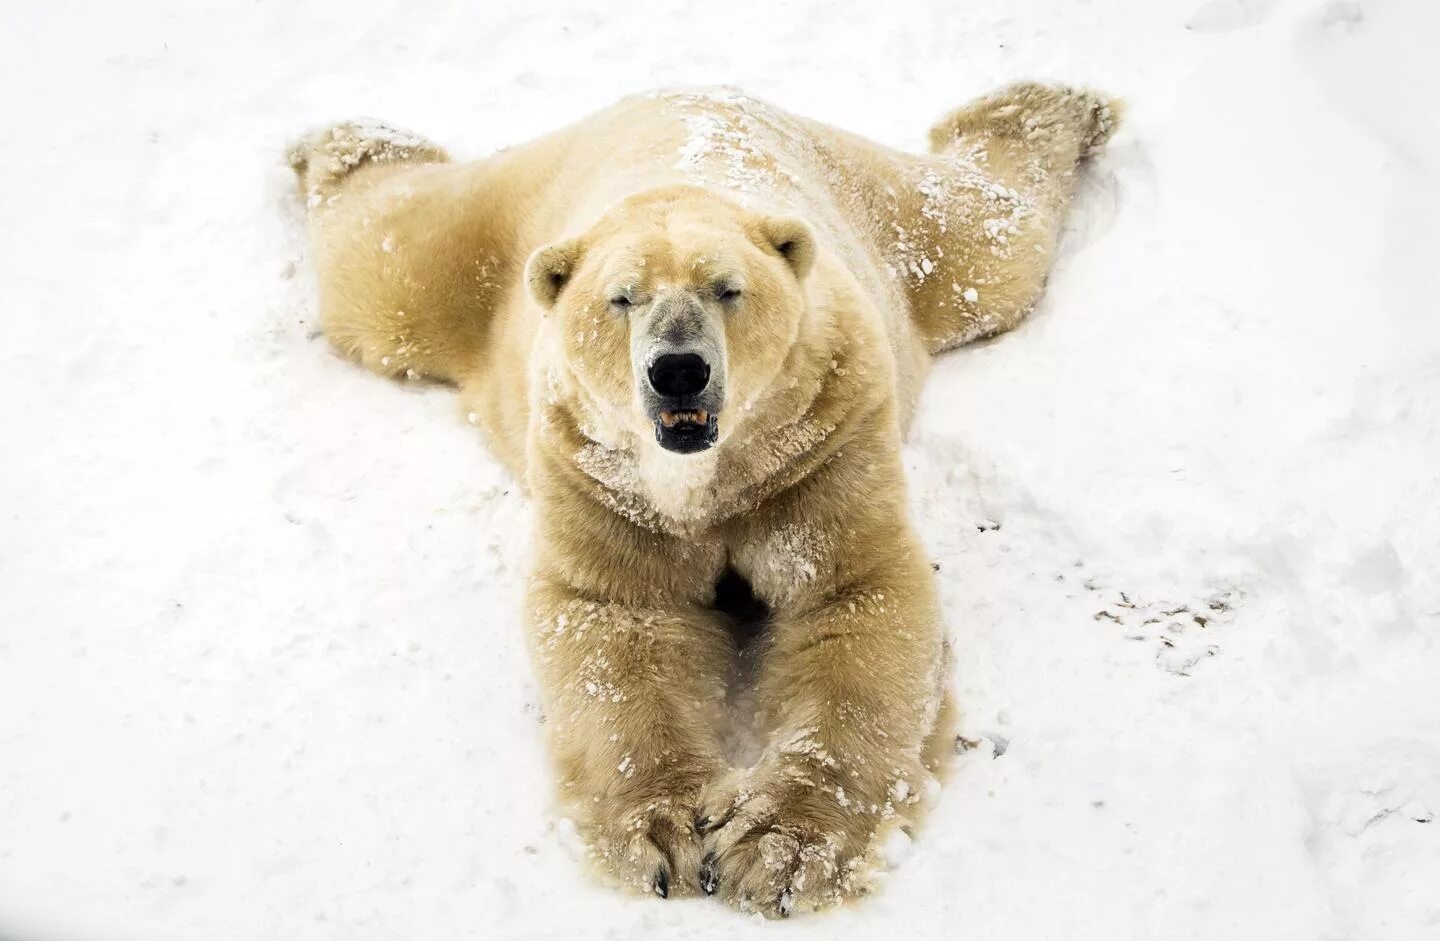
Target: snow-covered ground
(261, 672)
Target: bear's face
(677, 305)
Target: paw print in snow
(1181, 632)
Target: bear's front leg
(850, 689)
(633, 695)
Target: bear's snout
(684, 416)
(679, 375)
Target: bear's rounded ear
(549, 269)
(792, 239)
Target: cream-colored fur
(856, 263)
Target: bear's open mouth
(686, 432)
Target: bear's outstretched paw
(777, 845)
(653, 847)
(1037, 113)
(322, 159)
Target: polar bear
(695, 326)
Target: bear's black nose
(679, 374)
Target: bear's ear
(792, 239)
(549, 269)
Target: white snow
(261, 667)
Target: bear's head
(676, 306)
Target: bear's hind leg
(1031, 140)
(408, 279)
(1033, 136)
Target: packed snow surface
(261, 667)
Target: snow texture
(261, 671)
